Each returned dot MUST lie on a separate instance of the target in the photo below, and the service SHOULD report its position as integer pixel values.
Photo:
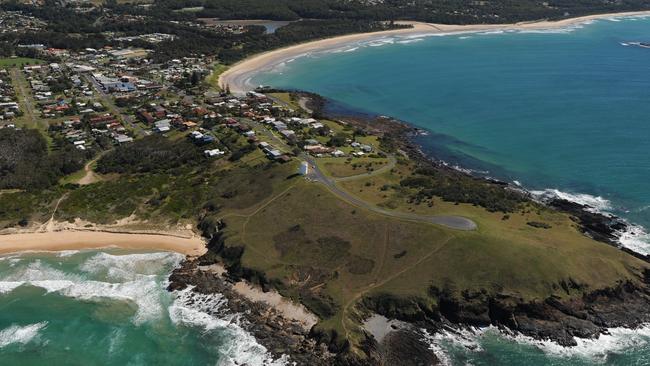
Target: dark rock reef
(279, 335)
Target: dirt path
(90, 176)
(49, 225)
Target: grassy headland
(277, 229)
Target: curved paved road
(454, 222)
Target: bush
(150, 154)
(25, 162)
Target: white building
(304, 168)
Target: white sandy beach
(76, 240)
(238, 76)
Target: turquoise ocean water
(563, 112)
(111, 308)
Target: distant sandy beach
(237, 78)
(77, 240)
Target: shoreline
(238, 75)
(54, 241)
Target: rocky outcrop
(406, 347)
(278, 334)
(556, 319)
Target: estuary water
(111, 308)
(561, 112)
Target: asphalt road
(453, 222)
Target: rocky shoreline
(283, 337)
(279, 335)
(553, 319)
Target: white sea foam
(439, 342)
(8, 286)
(566, 30)
(141, 289)
(593, 203)
(486, 33)
(209, 313)
(67, 253)
(616, 341)
(131, 266)
(20, 334)
(380, 42)
(636, 239)
(407, 41)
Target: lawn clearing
(18, 62)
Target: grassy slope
(342, 167)
(508, 257)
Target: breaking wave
(138, 279)
(20, 334)
(595, 204)
(131, 278)
(209, 312)
(131, 266)
(635, 238)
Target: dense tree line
(150, 154)
(438, 11)
(70, 29)
(458, 187)
(26, 163)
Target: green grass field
(344, 167)
(18, 62)
(286, 99)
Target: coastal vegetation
(437, 11)
(268, 225)
(27, 163)
(69, 29)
